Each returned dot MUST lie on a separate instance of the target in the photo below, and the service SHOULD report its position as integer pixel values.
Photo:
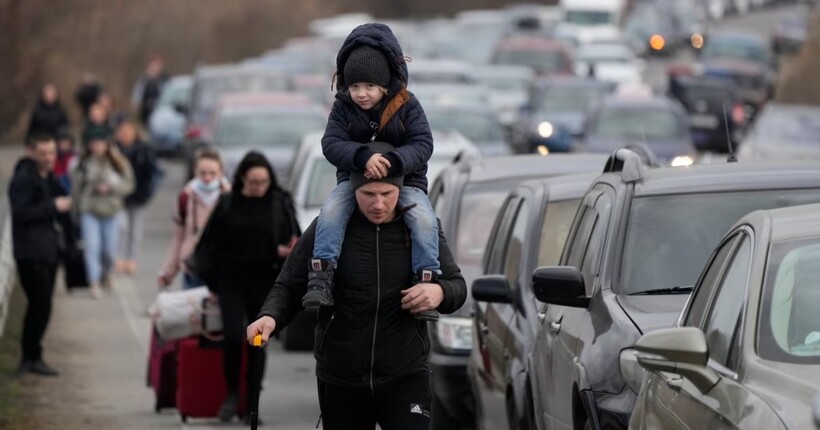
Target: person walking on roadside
(100, 182)
(66, 158)
(148, 88)
(371, 353)
(195, 203)
(87, 93)
(143, 163)
(98, 123)
(240, 253)
(48, 116)
(38, 203)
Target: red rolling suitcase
(201, 385)
(162, 371)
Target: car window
(554, 231)
(592, 255)
(265, 129)
(789, 330)
(708, 283)
(514, 250)
(643, 124)
(498, 239)
(581, 238)
(723, 323)
(321, 182)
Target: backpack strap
(402, 97)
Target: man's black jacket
(33, 214)
(366, 338)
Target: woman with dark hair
(247, 239)
(48, 117)
(100, 182)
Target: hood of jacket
(380, 37)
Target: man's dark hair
(252, 159)
(38, 138)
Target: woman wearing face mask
(101, 180)
(245, 243)
(194, 206)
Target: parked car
(746, 350)
(428, 71)
(657, 122)
(272, 123)
(466, 199)
(555, 113)
(751, 83)
(745, 58)
(508, 87)
(167, 122)
(529, 231)
(653, 30)
(783, 132)
(610, 62)
(478, 123)
(717, 116)
(546, 56)
(314, 177)
(635, 249)
(790, 33)
(431, 94)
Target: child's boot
(320, 285)
(426, 276)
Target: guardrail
(8, 270)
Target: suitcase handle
(257, 341)
(254, 413)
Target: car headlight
(455, 333)
(631, 371)
(682, 161)
(545, 129)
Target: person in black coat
(143, 162)
(240, 253)
(48, 117)
(373, 104)
(88, 92)
(371, 354)
(38, 203)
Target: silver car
(746, 349)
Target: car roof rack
(628, 163)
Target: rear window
(265, 129)
(588, 17)
(789, 330)
(639, 124)
(321, 181)
(553, 61)
(669, 238)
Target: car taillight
(738, 113)
(193, 133)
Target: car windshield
(641, 124)
(480, 204)
(572, 98)
(507, 82)
(735, 49)
(794, 127)
(588, 17)
(741, 80)
(789, 330)
(211, 89)
(554, 232)
(176, 93)
(478, 126)
(606, 54)
(669, 238)
(544, 61)
(321, 181)
(260, 128)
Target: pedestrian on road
(98, 123)
(239, 255)
(101, 180)
(148, 88)
(145, 167)
(87, 93)
(195, 203)
(373, 104)
(48, 116)
(371, 353)
(38, 203)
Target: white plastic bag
(180, 314)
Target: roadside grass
(13, 395)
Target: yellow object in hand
(257, 340)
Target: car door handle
(555, 326)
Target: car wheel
(440, 419)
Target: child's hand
(376, 167)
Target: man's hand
(285, 250)
(376, 167)
(63, 204)
(422, 297)
(264, 326)
(163, 280)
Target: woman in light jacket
(101, 180)
(194, 206)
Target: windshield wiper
(659, 291)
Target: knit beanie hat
(367, 64)
(357, 179)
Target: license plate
(704, 121)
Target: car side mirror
(560, 285)
(679, 350)
(492, 289)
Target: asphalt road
(114, 333)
